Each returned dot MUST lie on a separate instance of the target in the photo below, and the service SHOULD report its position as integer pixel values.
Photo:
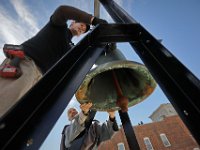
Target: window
(148, 144)
(120, 146)
(165, 140)
(162, 117)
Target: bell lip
(81, 92)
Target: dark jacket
(54, 39)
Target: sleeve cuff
(82, 117)
(86, 114)
(112, 119)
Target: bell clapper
(122, 101)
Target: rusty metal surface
(135, 80)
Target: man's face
(78, 28)
(72, 113)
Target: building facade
(164, 110)
(169, 133)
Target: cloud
(9, 31)
(25, 14)
(15, 30)
(9, 28)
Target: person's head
(78, 28)
(71, 113)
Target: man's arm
(78, 125)
(113, 120)
(64, 13)
(74, 129)
(107, 129)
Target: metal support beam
(29, 122)
(116, 33)
(128, 130)
(96, 8)
(179, 84)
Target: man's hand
(96, 21)
(85, 107)
(111, 113)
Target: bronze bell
(98, 87)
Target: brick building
(168, 133)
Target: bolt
(2, 125)
(185, 112)
(29, 142)
(148, 41)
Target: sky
(176, 22)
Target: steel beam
(29, 122)
(129, 131)
(96, 8)
(178, 83)
(116, 33)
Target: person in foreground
(41, 52)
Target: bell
(99, 87)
